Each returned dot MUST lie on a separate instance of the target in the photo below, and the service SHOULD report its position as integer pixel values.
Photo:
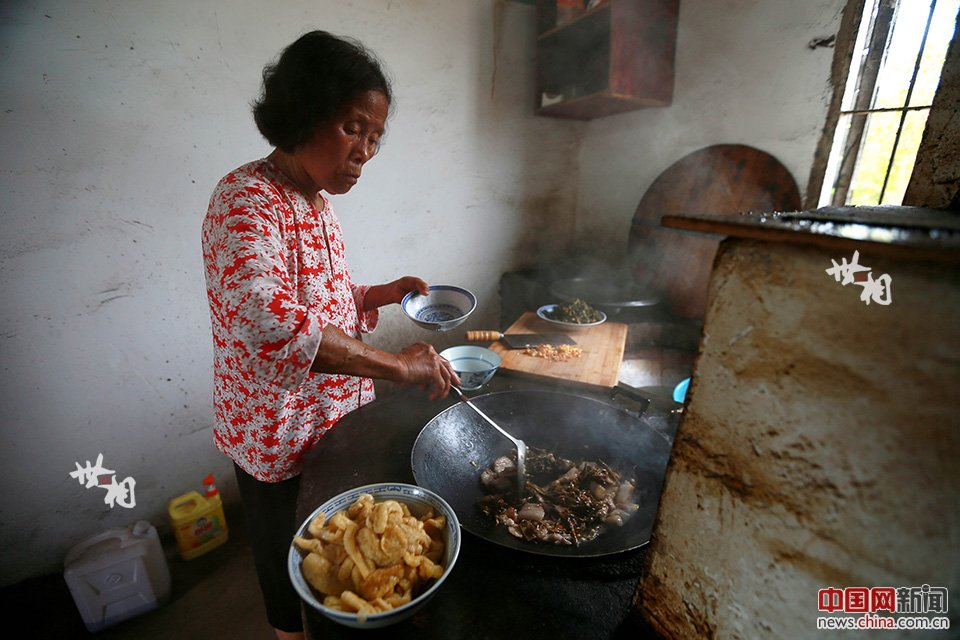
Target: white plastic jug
(117, 574)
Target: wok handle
(483, 336)
(633, 394)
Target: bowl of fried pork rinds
(374, 555)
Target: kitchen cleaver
(520, 340)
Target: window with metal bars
(897, 49)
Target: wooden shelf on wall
(615, 57)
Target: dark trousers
(270, 511)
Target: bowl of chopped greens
(575, 314)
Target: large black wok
(456, 445)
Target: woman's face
(335, 155)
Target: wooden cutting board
(598, 365)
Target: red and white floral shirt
(276, 275)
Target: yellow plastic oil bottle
(198, 521)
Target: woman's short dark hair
(309, 83)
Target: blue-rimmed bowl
(418, 500)
(444, 308)
(475, 365)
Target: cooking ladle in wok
(519, 444)
(456, 445)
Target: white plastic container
(117, 574)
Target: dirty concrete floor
(216, 595)
(213, 596)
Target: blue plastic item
(680, 391)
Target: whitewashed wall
(745, 74)
(116, 121)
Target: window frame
(845, 46)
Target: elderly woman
(287, 319)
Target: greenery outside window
(891, 53)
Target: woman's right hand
(424, 367)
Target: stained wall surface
(750, 72)
(818, 447)
(936, 180)
(116, 121)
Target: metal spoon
(519, 444)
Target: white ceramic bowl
(475, 365)
(418, 500)
(542, 313)
(442, 309)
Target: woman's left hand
(393, 292)
(405, 285)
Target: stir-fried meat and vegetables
(576, 311)
(564, 503)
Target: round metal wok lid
(456, 445)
